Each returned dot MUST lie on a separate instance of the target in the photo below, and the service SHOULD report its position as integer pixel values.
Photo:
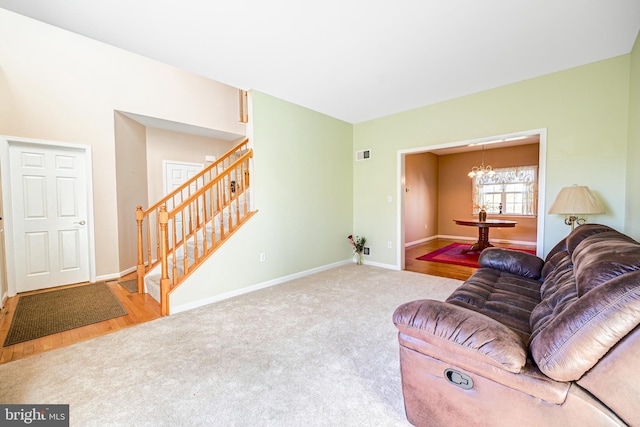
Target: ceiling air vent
(363, 155)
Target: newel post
(163, 219)
(141, 266)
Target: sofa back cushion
(590, 300)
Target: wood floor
(439, 269)
(140, 307)
(143, 308)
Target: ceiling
(154, 122)
(356, 60)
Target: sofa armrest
(517, 262)
(462, 332)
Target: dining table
(483, 231)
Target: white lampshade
(576, 200)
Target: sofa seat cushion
(505, 297)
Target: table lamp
(573, 201)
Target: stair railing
(189, 224)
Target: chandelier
(482, 170)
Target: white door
(49, 211)
(176, 174)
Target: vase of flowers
(357, 244)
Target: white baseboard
(113, 276)
(417, 242)
(195, 304)
(463, 238)
(505, 241)
(381, 265)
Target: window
(510, 191)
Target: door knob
(83, 222)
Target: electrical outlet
(366, 251)
(389, 244)
(263, 257)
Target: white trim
(381, 265)
(106, 277)
(451, 237)
(195, 304)
(400, 195)
(417, 242)
(400, 162)
(542, 186)
(115, 276)
(5, 177)
(470, 239)
(473, 239)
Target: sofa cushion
(506, 297)
(517, 262)
(557, 292)
(463, 333)
(602, 257)
(584, 231)
(553, 262)
(590, 300)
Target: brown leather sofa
(527, 342)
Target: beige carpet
(317, 351)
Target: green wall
(585, 113)
(303, 192)
(633, 157)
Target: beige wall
(455, 201)
(131, 184)
(181, 147)
(58, 86)
(421, 197)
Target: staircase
(178, 233)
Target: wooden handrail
(195, 179)
(213, 182)
(203, 213)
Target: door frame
(400, 184)
(5, 178)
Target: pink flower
(357, 243)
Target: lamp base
(572, 220)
